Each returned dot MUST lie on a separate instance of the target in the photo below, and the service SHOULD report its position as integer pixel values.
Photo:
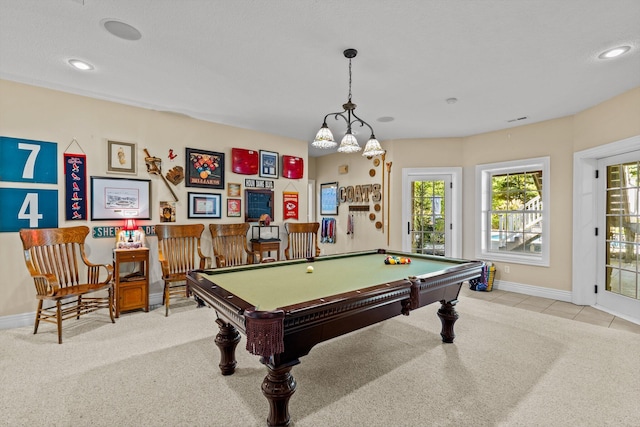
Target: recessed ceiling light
(121, 30)
(385, 119)
(452, 100)
(615, 52)
(80, 65)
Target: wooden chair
(178, 248)
(230, 244)
(52, 256)
(302, 240)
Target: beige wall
(552, 138)
(365, 234)
(41, 114)
(612, 120)
(400, 154)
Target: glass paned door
(620, 243)
(429, 226)
(622, 238)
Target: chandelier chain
(349, 79)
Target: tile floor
(580, 313)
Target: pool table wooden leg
(227, 340)
(448, 316)
(278, 387)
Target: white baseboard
(535, 291)
(17, 320)
(155, 299)
(27, 319)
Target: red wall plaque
(244, 162)
(292, 167)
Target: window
(514, 211)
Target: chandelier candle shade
(349, 144)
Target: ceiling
(277, 66)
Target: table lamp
(130, 226)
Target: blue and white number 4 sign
(28, 208)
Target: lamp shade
(372, 148)
(349, 144)
(324, 138)
(130, 224)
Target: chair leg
(112, 306)
(79, 306)
(37, 323)
(167, 299)
(59, 319)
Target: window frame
(484, 173)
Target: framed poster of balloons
(204, 169)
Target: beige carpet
(508, 367)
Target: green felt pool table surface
(281, 284)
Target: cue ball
(310, 269)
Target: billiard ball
(310, 269)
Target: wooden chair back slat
(230, 244)
(179, 246)
(178, 252)
(56, 251)
(302, 240)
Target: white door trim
(585, 216)
(456, 196)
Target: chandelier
(349, 144)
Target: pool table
(284, 310)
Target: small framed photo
(233, 189)
(234, 207)
(202, 205)
(167, 211)
(268, 164)
(329, 198)
(121, 157)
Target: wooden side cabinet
(261, 246)
(131, 282)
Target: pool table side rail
(430, 288)
(299, 317)
(224, 302)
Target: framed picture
(233, 189)
(167, 211)
(120, 198)
(121, 157)
(268, 164)
(234, 207)
(257, 203)
(203, 205)
(204, 169)
(329, 198)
